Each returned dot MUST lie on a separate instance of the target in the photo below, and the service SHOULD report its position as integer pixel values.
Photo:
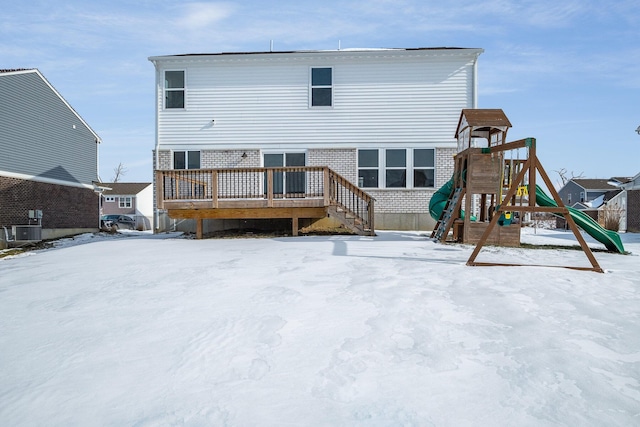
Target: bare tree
(119, 172)
(566, 177)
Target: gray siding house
(384, 119)
(48, 160)
(579, 191)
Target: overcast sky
(564, 72)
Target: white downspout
(475, 82)
(157, 146)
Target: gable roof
(124, 188)
(594, 184)
(311, 51)
(483, 119)
(6, 73)
(486, 117)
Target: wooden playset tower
(488, 195)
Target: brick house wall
(633, 211)
(61, 206)
(395, 208)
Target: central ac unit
(27, 233)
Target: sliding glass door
(293, 183)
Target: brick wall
(401, 201)
(444, 165)
(344, 162)
(633, 211)
(61, 206)
(229, 159)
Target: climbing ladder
(441, 230)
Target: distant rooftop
(594, 184)
(124, 188)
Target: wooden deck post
(294, 226)
(214, 188)
(199, 228)
(326, 186)
(270, 188)
(159, 190)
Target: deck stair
(349, 220)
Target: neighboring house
(603, 199)
(134, 199)
(578, 192)
(48, 161)
(627, 201)
(384, 119)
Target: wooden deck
(262, 193)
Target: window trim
(122, 202)
(186, 159)
(410, 168)
(415, 168)
(166, 89)
(386, 168)
(312, 86)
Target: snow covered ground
(393, 330)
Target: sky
(565, 72)
(353, 331)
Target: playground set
(496, 181)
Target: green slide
(439, 201)
(609, 238)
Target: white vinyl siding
(263, 101)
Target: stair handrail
(360, 204)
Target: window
(109, 198)
(321, 87)
(569, 199)
(368, 168)
(125, 201)
(396, 168)
(174, 89)
(390, 168)
(186, 160)
(424, 168)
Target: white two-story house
(383, 119)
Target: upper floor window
(322, 87)
(186, 160)
(396, 168)
(125, 201)
(174, 89)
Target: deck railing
(287, 186)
